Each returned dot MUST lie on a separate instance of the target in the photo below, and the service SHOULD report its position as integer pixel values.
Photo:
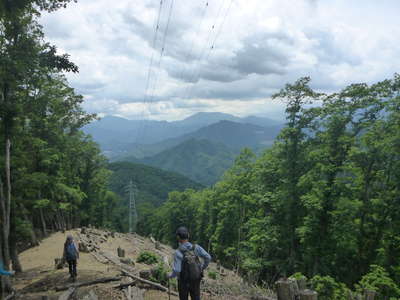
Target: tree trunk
(285, 290)
(43, 222)
(308, 295)
(13, 243)
(33, 237)
(4, 222)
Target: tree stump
(308, 295)
(285, 289)
(145, 274)
(302, 283)
(113, 234)
(121, 252)
(83, 230)
(369, 295)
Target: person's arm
(176, 266)
(77, 250)
(204, 255)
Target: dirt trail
(40, 277)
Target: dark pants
(72, 267)
(192, 288)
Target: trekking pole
(169, 291)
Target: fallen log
(96, 281)
(155, 285)
(68, 294)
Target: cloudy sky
(220, 55)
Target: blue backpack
(71, 251)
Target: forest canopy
(323, 201)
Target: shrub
(328, 288)
(147, 258)
(212, 274)
(379, 281)
(159, 274)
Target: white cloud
(262, 45)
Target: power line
(202, 52)
(156, 27)
(197, 33)
(158, 66)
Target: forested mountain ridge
(122, 137)
(201, 160)
(205, 154)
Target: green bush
(147, 257)
(159, 274)
(379, 281)
(328, 288)
(212, 274)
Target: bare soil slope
(41, 278)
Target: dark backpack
(191, 266)
(70, 251)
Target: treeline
(52, 176)
(323, 201)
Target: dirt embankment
(41, 278)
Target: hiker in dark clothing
(71, 255)
(187, 266)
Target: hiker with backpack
(71, 255)
(187, 266)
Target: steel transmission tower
(132, 207)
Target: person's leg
(183, 290)
(70, 267)
(195, 290)
(74, 267)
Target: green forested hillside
(152, 188)
(201, 160)
(323, 201)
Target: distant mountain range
(201, 147)
(118, 136)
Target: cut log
(285, 290)
(76, 285)
(150, 283)
(308, 295)
(99, 258)
(67, 294)
(369, 295)
(152, 240)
